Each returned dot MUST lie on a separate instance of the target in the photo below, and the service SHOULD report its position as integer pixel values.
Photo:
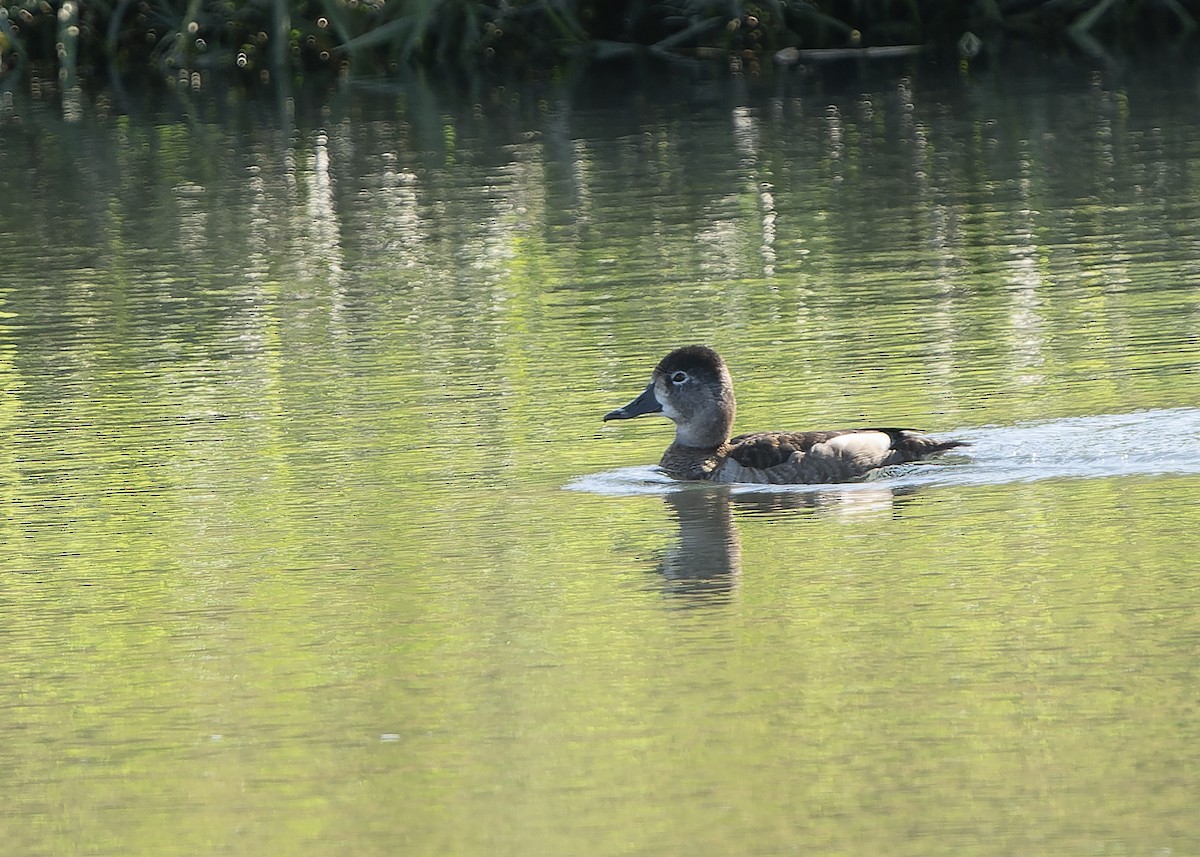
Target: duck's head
(691, 387)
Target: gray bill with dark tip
(646, 403)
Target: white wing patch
(861, 446)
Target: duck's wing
(766, 449)
(823, 456)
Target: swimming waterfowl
(691, 386)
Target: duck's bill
(646, 403)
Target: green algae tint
(294, 557)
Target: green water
(313, 542)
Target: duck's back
(783, 458)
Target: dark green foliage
(257, 38)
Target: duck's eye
(678, 377)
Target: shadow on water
(704, 564)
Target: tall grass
(264, 38)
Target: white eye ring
(678, 377)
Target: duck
(692, 387)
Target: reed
(258, 39)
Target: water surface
(313, 540)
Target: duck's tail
(914, 445)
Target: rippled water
(313, 540)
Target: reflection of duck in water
(692, 387)
(705, 562)
(707, 558)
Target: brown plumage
(692, 387)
